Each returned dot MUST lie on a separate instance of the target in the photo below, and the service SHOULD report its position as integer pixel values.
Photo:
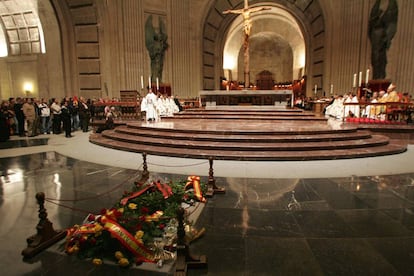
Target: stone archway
(308, 15)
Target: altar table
(267, 98)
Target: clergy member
(151, 101)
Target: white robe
(172, 107)
(161, 107)
(150, 106)
(336, 109)
(355, 108)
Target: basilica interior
(304, 194)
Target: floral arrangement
(141, 227)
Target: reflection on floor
(337, 226)
(18, 143)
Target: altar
(254, 98)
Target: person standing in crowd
(12, 115)
(91, 106)
(66, 118)
(84, 114)
(45, 116)
(37, 123)
(5, 116)
(30, 116)
(18, 111)
(75, 113)
(56, 112)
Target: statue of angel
(156, 43)
(382, 27)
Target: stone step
(227, 127)
(244, 110)
(250, 117)
(223, 137)
(288, 155)
(372, 141)
(246, 113)
(262, 137)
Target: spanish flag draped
(126, 239)
(194, 182)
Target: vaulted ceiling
(21, 30)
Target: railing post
(184, 257)
(46, 235)
(211, 186)
(145, 172)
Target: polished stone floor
(303, 225)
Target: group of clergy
(339, 110)
(157, 106)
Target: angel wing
(163, 34)
(391, 18)
(149, 34)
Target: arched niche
(303, 23)
(269, 52)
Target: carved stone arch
(309, 16)
(78, 23)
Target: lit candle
(331, 88)
(142, 82)
(360, 79)
(158, 84)
(367, 77)
(316, 88)
(354, 82)
(149, 82)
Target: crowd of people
(31, 117)
(375, 105)
(367, 106)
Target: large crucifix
(246, 11)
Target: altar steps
(275, 135)
(223, 141)
(247, 144)
(238, 109)
(248, 156)
(288, 114)
(249, 117)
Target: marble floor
(340, 217)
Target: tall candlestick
(158, 84)
(355, 80)
(149, 82)
(142, 82)
(367, 78)
(360, 79)
(316, 88)
(331, 88)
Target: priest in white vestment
(150, 106)
(161, 108)
(336, 109)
